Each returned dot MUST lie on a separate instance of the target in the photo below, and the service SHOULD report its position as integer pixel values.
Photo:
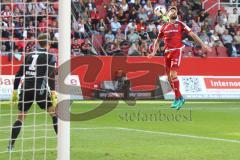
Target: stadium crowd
(116, 27)
(132, 24)
(23, 20)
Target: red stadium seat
(20, 44)
(186, 50)
(53, 51)
(16, 39)
(222, 52)
(213, 53)
(4, 39)
(199, 52)
(102, 11)
(98, 2)
(97, 42)
(80, 41)
(106, 1)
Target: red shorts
(173, 60)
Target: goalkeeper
(38, 70)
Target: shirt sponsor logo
(30, 73)
(170, 31)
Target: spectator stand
(201, 21)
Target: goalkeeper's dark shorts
(26, 99)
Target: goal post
(63, 149)
(22, 22)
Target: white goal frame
(63, 149)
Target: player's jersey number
(32, 67)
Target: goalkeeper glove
(15, 96)
(54, 98)
(165, 18)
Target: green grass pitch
(150, 130)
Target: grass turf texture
(202, 130)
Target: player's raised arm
(160, 11)
(200, 42)
(156, 44)
(155, 47)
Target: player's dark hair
(172, 7)
(43, 40)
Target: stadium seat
(213, 9)
(20, 44)
(97, 42)
(98, 2)
(186, 50)
(53, 51)
(106, 1)
(213, 53)
(102, 11)
(80, 41)
(15, 39)
(4, 39)
(222, 52)
(198, 52)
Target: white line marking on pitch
(154, 102)
(150, 132)
(161, 133)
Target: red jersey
(172, 33)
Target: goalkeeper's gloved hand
(165, 18)
(54, 98)
(15, 96)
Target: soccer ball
(160, 10)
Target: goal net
(22, 21)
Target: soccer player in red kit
(172, 32)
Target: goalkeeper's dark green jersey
(38, 70)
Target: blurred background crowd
(114, 27)
(23, 20)
(129, 27)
